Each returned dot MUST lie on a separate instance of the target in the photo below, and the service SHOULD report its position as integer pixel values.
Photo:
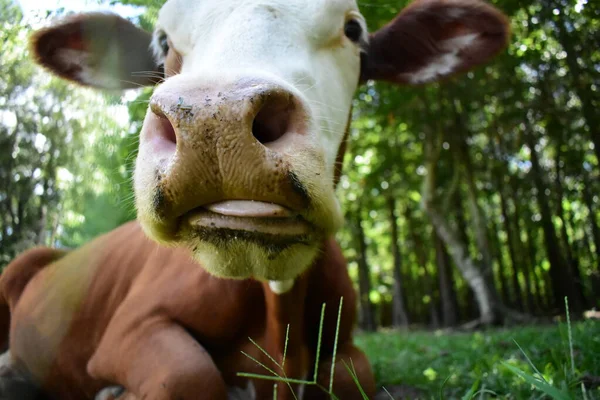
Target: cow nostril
(166, 130)
(274, 119)
(160, 134)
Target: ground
(487, 364)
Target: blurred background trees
(476, 199)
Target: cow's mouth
(247, 219)
(250, 239)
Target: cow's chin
(240, 247)
(242, 258)
(272, 249)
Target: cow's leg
(156, 359)
(119, 393)
(111, 393)
(14, 383)
(344, 386)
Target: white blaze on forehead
(296, 43)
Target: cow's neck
(283, 309)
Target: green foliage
(535, 95)
(61, 168)
(491, 359)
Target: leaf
(545, 387)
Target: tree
(49, 133)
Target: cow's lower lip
(259, 218)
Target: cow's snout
(225, 168)
(204, 145)
(253, 112)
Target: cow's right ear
(97, 49)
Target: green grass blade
(487, 391)
(354, 377)
(275, 378)
(570, 336)
(583, 392)
(335, 343)
(319, 344)
(388, 393)
(259, 363)
(471, 393)
(441, 394)
(287, 336)
(332, 396)
(540, 384)
(264, 352)
(530, 362)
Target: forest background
(474, 201)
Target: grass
(530, 362)
(276, 376)
(560, 362)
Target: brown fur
(411, 40)
(95, 40)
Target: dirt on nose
(217, 157)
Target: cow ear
(432, 39)
(97, 49)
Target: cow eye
(353, 30)
(163, 42)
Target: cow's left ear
(97, 49)
(431, 39)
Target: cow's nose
(268, 113)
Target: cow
(239, 157)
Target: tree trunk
(470, 310)
(448, 296)
(502, 278)
(510, 241)
(367, 320)
(572, 261)
(428, 279)
(461, 220)
(463, 159)
(526, 264)
(589, 202)
(541, 298)
(561, 280)
(399, 316)
(54, 228)
(472, 273)
(49, 175)
(422, 259)
(484, 294)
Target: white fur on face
(297, 42)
